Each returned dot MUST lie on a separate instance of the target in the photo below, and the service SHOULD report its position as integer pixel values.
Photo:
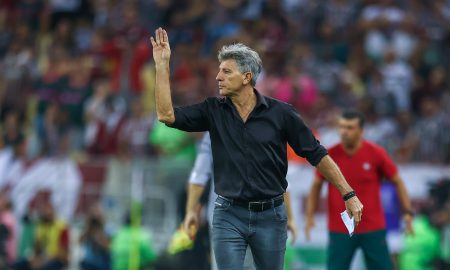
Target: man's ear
(247, 78)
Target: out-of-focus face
(230, 78)
(46, 212)
(350, 131)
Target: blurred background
(89, 178)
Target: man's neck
(352, 149)
(244, 99)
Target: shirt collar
(260, 100)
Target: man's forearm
(313, 198)
(194, 193)
(163, 99)
(402, 194)
(329, 169)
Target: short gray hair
(246, 59)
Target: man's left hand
(408, 219)
(354, 209)
(293, 229)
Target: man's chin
(223, 92)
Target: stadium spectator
(51, 243)
(12, 128)
(109, 127)
(428, 134)
(427, 249)
(53, 132)
(95, 242)
(137, 129)
(172, 144)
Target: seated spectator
(51, 243)
(132, 242)
(95, 243)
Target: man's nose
(219, 77)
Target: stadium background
(78, 126)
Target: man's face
(230, 78)
(46, 213)
(350, 131)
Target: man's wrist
(349, 195)
(408, 212)
(162, 66)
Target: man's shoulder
(373, 147)
(277, 103)
(335, 148)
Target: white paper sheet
(349, 222)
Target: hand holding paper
(348, 222)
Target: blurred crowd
(77, 80)
(77, 76)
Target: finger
(158, 40)
(152, 40)
(161, 35)
(357, 217)
(165, 36)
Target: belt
(259, 206)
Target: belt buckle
(250, 205)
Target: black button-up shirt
(250, 159)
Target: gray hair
(246, 59)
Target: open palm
(161, 47)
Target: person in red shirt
(364, 165)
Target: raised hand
(161, 47)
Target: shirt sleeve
(387, 166)
(203, 167)
(192, 118)
(301, 139)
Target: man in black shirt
(249, 133)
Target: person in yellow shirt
(51, 243)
